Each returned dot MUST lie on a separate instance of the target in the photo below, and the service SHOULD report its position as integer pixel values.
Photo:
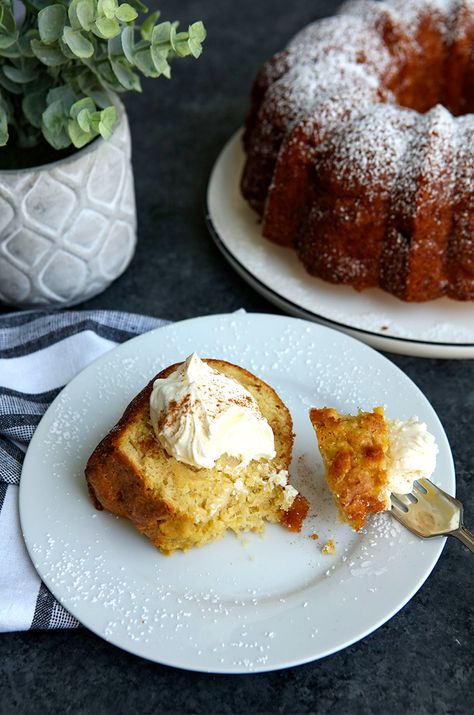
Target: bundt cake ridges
(346, 75)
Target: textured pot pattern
(68, 229)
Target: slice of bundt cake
(368, 457)
(178, 505)
(357, 153)
(354, 450)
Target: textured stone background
(419, 662)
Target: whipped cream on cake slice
(199, 414)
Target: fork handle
(464, 535)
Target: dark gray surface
(419, 662)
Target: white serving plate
(238, 605)
(441, 328)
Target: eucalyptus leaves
(61, 63)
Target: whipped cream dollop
(411, 454)
(199, 414)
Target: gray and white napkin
(40, 352)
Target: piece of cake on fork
(368, 457)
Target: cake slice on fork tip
(367, 457)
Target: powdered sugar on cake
(353, 160)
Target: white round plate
(441, 328)
(238, 605)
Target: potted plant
(67, 207)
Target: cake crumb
(329, 548)
(314, 536)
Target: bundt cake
(360, 147)
(179, 506)
(368, 457)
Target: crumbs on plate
(329, 548)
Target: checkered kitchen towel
(40, 352)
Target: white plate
(441, 328)
(234, 606)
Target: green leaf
(197, 31)
(10, 86)
(173, 35)
(195, 47)
(8, 30)
(107, 27)
(197, 35)
(49, 55)
(127, 39)
(72, 15)
(161, 34)
(162, 66)
(7, 40)
(53, 116)
(85, 12)
(24, 42)
(181, 44)
(83, 119)
(145, 63)
(62, 94)
(54, 125)
(51, 22)
(90, 87)
(85, 103)
(142, 45)
(108, 117)
(128, 79)
(77, 43)
(7, 19)
(107, 76)
(19, 75)
(33, 106)
(3, 125)
(146, 27)
(114, 47)
(126, 13)
(12, 52)
(78, 136)
(66, 50)
(107, 8)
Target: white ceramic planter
(68, 229)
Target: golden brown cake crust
(116, 484)
(354, 451)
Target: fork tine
(428, 485)
(428, 511)
(397, 511)
(404, 499)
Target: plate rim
(273, 295)
(361, 634)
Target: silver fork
(429, 511)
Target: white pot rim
(93, 146)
